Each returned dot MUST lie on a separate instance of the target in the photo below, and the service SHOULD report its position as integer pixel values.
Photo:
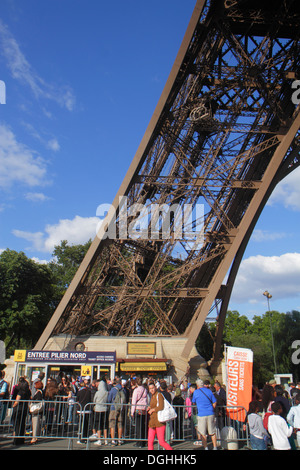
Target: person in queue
(155, 427)
(37, 417)
(84, 398)
(20, 409)
(206, 423)
(139, 403)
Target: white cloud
(22, 71)
(76, 231)
(39, 261)
(18, 163)
(35, 238)
(36, 197)
(287, 192)
(53, 145)
(280, 275)
(264, 235)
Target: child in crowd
(279, 428)
(258, 434)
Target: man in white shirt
(293, 417)
(279, 429)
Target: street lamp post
(268, 295)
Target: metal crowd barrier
(56, 419)
(60, 419)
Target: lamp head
(267, 294)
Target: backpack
(5, 385)
(119, 400)
(266, 420)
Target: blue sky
(82, 81)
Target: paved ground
(63, 444)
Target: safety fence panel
(118, 425)
(57, 419)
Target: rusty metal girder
(224, 127)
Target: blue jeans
(257, 444)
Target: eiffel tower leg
(195, 325)
(223, 127)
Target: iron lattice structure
(223, 134)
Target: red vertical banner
(239, 371)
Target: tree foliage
(25, 300)
(64, 265)
(286, 332)
(31, 291)
(256, 335)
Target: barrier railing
(105, 425)
(55, 419)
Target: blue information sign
(86, 357)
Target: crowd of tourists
(106, 409)
(274, 417)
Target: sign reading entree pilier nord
(65, 356)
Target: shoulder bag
(167, 414)
(36, 408)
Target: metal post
(269, 296)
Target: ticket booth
(55, 364)
(141, 360)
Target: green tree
(65, 263)
(26, 299)
(239, 331)
(286, 332)
(261, 325)
(235, 325)
(262, 356)
(256, 335)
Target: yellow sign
(143, 366)
(86, 370)
(20, 355)
(147, 349)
